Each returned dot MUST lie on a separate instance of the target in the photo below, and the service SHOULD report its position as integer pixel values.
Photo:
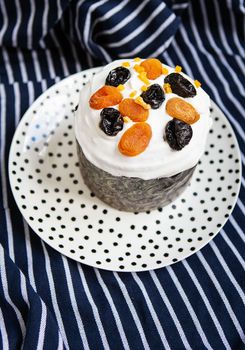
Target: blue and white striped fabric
(50, 302)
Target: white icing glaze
(158, 160)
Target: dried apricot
(135, 140)
(182, 110)
(128, 107)
(105, 97)
(153, 68)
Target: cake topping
(167, 88)
(133, 93)
(118, 76)
(138, 68)
(128, 107)
(180, 109)
(142, 76)
(126, 119)
(197, 83)
(178, 134)
(111, 121)
(180, 85)
(142, 103)
(164, 70)
(154, 96)
(126, 64)
(105, 97)
(178, 69)
(120, 87)
(135, 140)
(152, 67)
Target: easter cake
(141, 127)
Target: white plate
(52, 197)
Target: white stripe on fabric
(60, 11)
(74, 305)
(53, 295)
(210, 58)
(237, 228)
(30, 24)
(94, 308)
(3, 117)
(44, 85)
(61, 54)
(241, 6)
(79, 4)
(133, 311)
(126, 20)
(5, 21)
(240, 63)
(152, 311)
(222, 295)
(88, 19)
(109, 14)
(23, 289)
(17, 23)
(72, 46)
(22, 66)
(219, 51)
(29, 256)
(171, 311)
(50, 64)
(220, 28)
(36, 64)
(16, 102)
(89, 60)
(30, 89)
(8, 66)
(45, 18)
(207, 304)
(87, 29)
(60, 343)
(233, 248)
(240, 204)
(167, 58)
(208, 81)
(6, 292)
(140, 28)
(42, 328)
(227, 270)
(161, 48)
(151, 38)
(182, 58)
(189, 307)
(234, 30)
(3, 331)
(113, 309)
(179, 6)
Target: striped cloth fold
(48, 301)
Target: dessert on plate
(141, 127)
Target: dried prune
(118, 76)
(111, 121)
(180, 85)
(154, 96)
(178, 134)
